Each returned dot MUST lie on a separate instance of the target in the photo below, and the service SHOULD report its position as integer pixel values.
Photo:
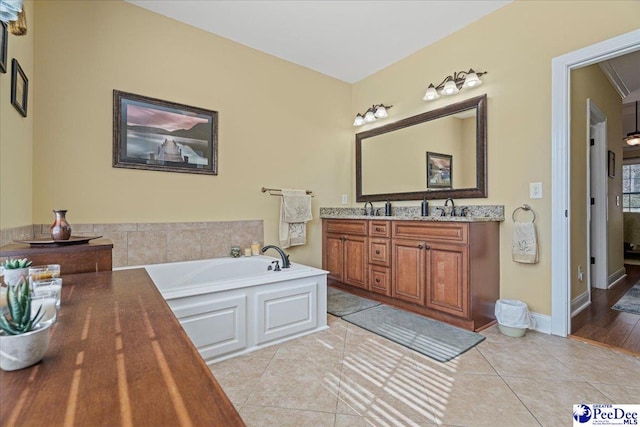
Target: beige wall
(591, 83)
(280, 125)
(16, 134)
(515, 45)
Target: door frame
(561, 67)
(597, 128)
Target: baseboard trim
(580, 302)
(616, 277)
(543, 322)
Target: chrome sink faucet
(285, 258)
(453, 206)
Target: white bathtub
(231, 306)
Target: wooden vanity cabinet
(344, 251)
(449, 271)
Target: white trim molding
(543, 322)
(580, 302)
(616, 277)
(561, 67)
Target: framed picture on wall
(159, 135)
(611, 166)
(19, 88)
(4, 39)
(439, 168)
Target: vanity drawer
(380, 229)
(346, 226)
(380, 252)
(380, 280)
(444, 231)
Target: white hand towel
(525, 245)
(295, 212)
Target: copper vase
(60, 229)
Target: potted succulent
(23, 341)
(15, 269)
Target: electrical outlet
(345, 199)
(580, 273)
(535, 190)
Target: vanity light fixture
(633, 138)
(378, 111)
(452, 84)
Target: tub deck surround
(155, 243)
(232, 306)
(475, 213)
(117, 356)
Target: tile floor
(346, 376)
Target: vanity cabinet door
(355, 261)
(345, 257)
(333, 255)
(408, 281)
(447, 287)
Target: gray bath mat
(434, 339)
(630, 302)
(340, 303)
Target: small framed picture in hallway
(159, 135)
(611, 166)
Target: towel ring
(524, 207)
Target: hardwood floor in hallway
(600, 323)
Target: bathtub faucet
(285, 257)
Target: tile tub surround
(155, 243)
(474, 213)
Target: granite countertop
(475, 213)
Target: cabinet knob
(426, 247)
(377, 280)
(377, 251)
(377, 228)
(420, 246)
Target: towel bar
(273, 190)
(524, 207)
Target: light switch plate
(345, 199)
(535, 190)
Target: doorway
(560, 226)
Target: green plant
(19, 320)
(13, 264)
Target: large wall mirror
(434, 155)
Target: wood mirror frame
(479, 191)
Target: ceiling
(348, 40)
(624, 74)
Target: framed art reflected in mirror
(439, 170)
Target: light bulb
(369, 116)
(472, 80)
(431, 93)
(381, 112)
(359, 121)
(633, 139)
(450, 88)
